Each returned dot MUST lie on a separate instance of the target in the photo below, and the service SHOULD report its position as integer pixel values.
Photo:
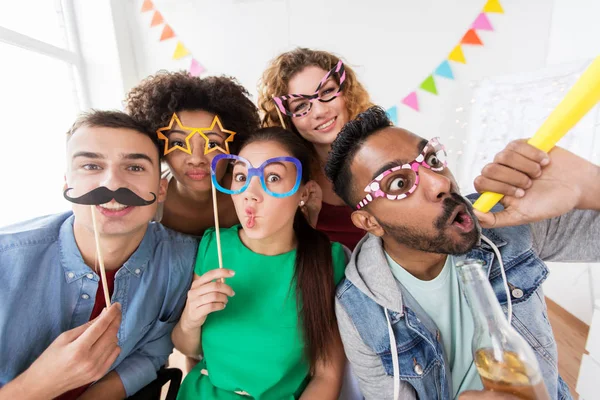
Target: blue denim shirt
(47, 289)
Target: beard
(439, 241)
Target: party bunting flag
(493, 6)
(157, 19)
(471, 38)
(196, 68)
(457, 55)
(444, 70)
(393, 114)
(411, 101)
(147, 6)
(167, 33)
(180, 51)
(429, 85)
(482, 23)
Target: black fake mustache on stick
(102, 195)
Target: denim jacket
(370, 289)
(47, 289)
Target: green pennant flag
(429, 85)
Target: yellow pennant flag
(457, 55)
(493, 6)
(180, 51)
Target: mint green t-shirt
(442, 299)
(255, 344)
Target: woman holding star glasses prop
(313, 93)
(182, 108)
(269, 332)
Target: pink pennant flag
(196, 68)
(482, 23)
(411, 101)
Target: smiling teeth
(113, 206)
(326, 125)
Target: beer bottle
(504, 360)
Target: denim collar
(74, 266)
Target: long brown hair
(276, 78)
(313, 272)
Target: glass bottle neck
(486, 311)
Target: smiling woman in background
(316, 94)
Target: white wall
(392, 44)
(574, 36)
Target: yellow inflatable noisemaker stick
(582, 97)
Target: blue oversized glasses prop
(249, 171)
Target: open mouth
(326, 125)
(114, 209)
(461, 219)
(113, 206)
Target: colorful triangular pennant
(167, 33)
(392, 113)
(147, 6)
(429, 85)
(493, 6)
(457, 55)
(196, 68)
(411, 101)
(180, 51)
(444, 70)
(157, 19)
(471, 37)
(482, 23)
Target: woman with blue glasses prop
(270, 331)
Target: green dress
(255, 344)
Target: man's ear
(65, 186)
(362, 219)
(162, 190)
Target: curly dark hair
(346, 145)
(157, 97)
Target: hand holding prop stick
(103, 195)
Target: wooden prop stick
(100, 259)
(280, 117)
(217, 229)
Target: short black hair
(346, 145)
(112, 119)
(157, 97)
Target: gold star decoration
(201, 131)
(229, 138)
(166, 129)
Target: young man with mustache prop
(58, 337)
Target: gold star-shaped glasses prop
(191, 132)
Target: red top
(336, 223)
(99, 305)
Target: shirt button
(137, 271)
(85, 296)
(71, 275)
(90, 276)
(418, 369)
(517, 293)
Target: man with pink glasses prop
(406, 327)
